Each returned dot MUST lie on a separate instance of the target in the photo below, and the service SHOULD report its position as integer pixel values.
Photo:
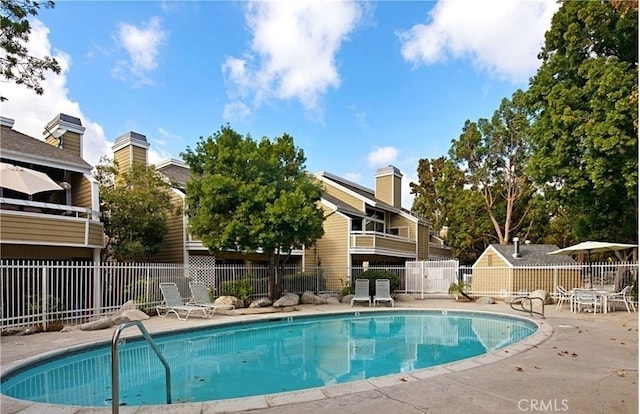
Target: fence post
(97, 287)
(43, 297)
(422, 276)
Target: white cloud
(294, 46)
(502, 37)
(382, 156)
(32, 112)
(353, 176)
(142, 45)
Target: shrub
(373, 274)
(241, 289)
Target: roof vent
(516, 248)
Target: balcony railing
(27, 206)
(372, 242)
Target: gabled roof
(176, 171)
(530, 255)
(341, 206)
(17, 146)
(367, 195)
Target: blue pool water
(257, 358)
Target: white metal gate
(430, 277)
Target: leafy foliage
(248, 195)
(373, 274)
(585, 135)
(16, 64)
(493, 155)
(135, 205)
(241, 288)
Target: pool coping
(544, 331)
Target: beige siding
(405, 224)
(71, 143)
(344, 197)
(122, 157)
(47, 230)
(96, 234)
(173, 250)
(139, 155)
(423, 242)
(80, 191)
(384, 189)
(333, 249)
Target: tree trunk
(271, 287)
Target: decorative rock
(129, 305)
(120, 319)
(229, 300)
(290, 299)
(309, 298)
(542, 294)
(103, 323)
(403, 297)
(260, 303)
(332, 300)
(485, 300)
(135, 315)
(346, 298)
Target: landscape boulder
(485, 300)
(229, 300)
(542, 294)
(290, 299)
(310, 298)
(260, 303)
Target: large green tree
(585, 135)
(16, 64)
(250, 195)
(493, 153)
(135, 205)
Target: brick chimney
(389, 186)
(65, 131)
(130, 148)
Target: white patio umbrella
(25, 180)
(589, 247)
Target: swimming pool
(257, 358)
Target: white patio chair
(613, 299)
(588, 297)
(173, 303)
(564, 295)
(362, 292)
(383, 292)
(200, 297)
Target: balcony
(370, 242)
(38, 223)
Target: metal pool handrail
(115, 386)
(521, 300)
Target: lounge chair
(172, 302)
(621, 297)
(362, 292)
(564, 296)
(383, 292)
(200, 297)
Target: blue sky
(359, 85)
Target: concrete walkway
(576, 363)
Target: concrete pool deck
(577, 363)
